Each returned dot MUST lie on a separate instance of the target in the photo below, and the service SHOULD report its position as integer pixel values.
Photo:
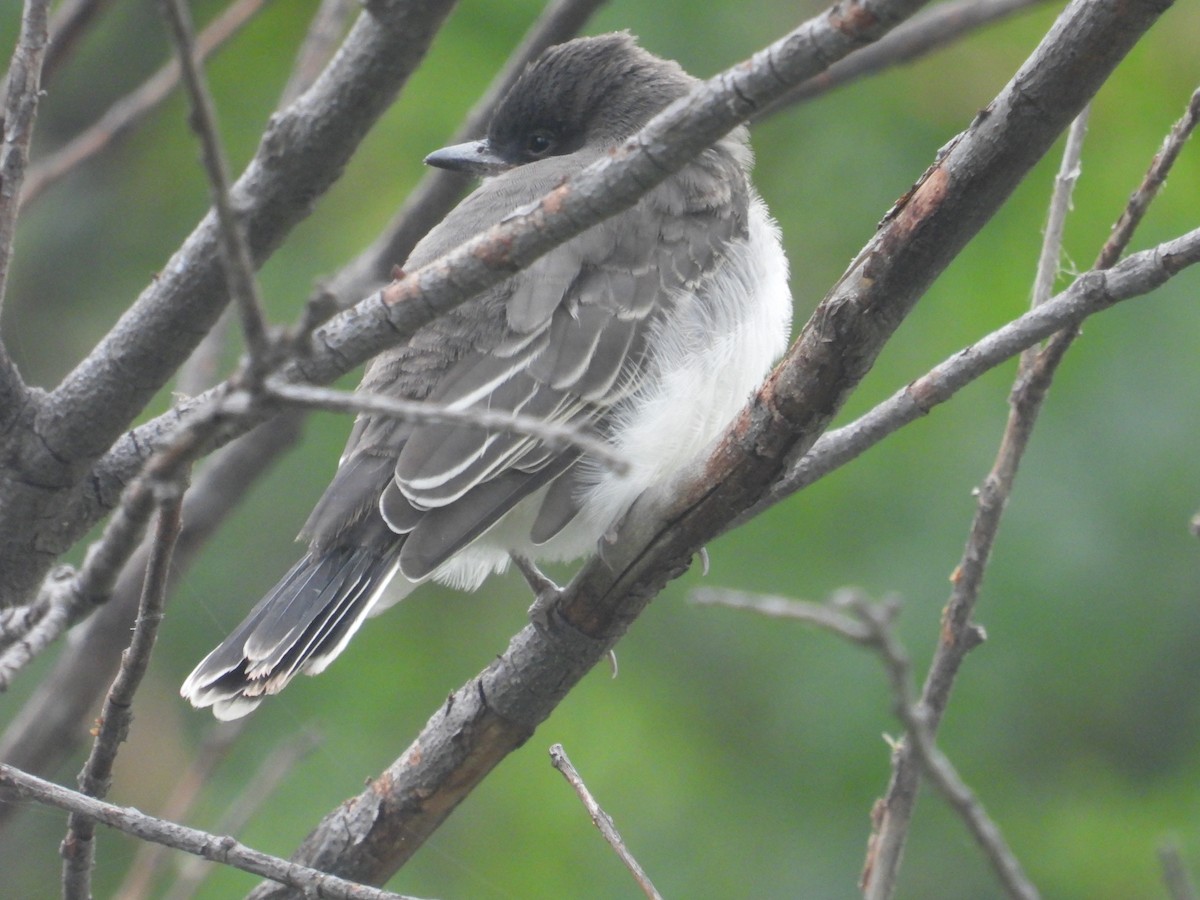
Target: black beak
(471, 158)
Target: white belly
(713, 352)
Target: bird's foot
(545, 591)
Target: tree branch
(851, 616)
(236, 263)
(601, 190)
(440, 189)
(79, 847)
(558, 436)
(373, 834)
(303, 151)
(23, 88)
(325, 32)
(925, 32)
(128, 112)
(1034, 378)
(602, 820)
(47, 729)
(15, 784)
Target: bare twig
(124, 115)
(849, 615)
(22, 92)
(236, 259)
(15, 784)
(1060, 204)
(68, 23)
(926, 32)
(1029, 392)
(1139, 201)
(67, 596)
(555, 435)
(139, 879)
(936, 765)
(325, 32)
(602, 820)
(79, 848)
(827, 615)
(886, 846)
(275, 767)
(47, 729)
(1090, 293)
(1176, 879)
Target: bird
(649, 331)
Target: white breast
(711, 354)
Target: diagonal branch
(440, 189)
(371, 835)
(15, 784)
(603, 189)
(237, 266)
(304, 149)
(79, 847)
(1035, 375)
(124, 115)
(558, 436)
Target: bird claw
(545, 592)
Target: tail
(301, 625)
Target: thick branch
(377, 831)
(23, 89)
(302, 153)
(603, 189)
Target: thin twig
(325, 32)
(68, 23)
(924, 33)
(15, 784)
(66, 596)
(849, 615)
(886, 845)
(827, 615)
(1060, 205)
(48, 728)
(275, 767)
(236, 259)
(935, 764)
(1176, 879)
(79, 848)
(557, 436)
(1156, 177)
(218, 741)
(124, 115)
(602, 820)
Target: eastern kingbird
(650, 331)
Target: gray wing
(564, 340)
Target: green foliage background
(739, 756)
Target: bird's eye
(539, 143)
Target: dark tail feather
(301, 625)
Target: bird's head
(591, 92)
